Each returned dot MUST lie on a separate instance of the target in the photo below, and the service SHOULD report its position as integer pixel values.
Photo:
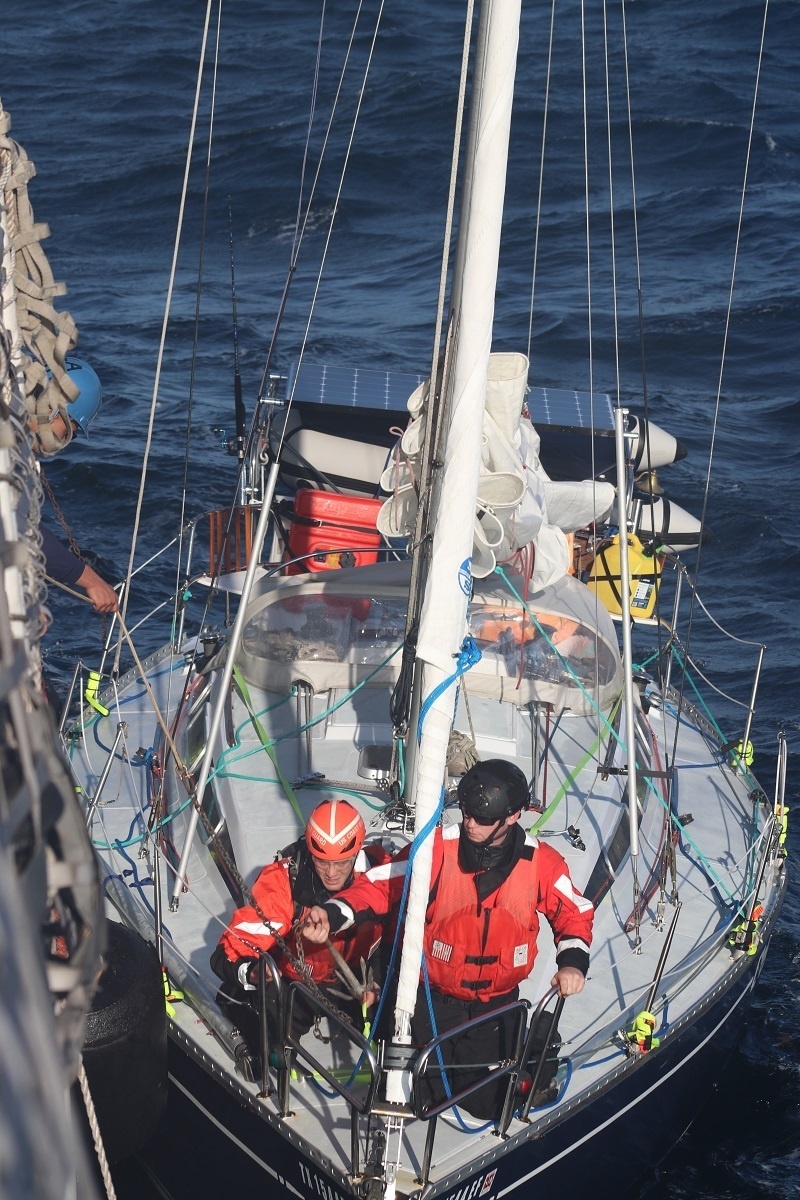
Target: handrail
(266, 963)
(538, 1012)
(510, 1066)
(366, 1051)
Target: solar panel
(563, 409)
(356, 387)
(351, 387)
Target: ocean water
(101, 97)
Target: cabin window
(323, 628)
(564, 652)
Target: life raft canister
(605, 577)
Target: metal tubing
(766, 857)
(751, 710)
(122, 728)
(354, 1155)
(780, 772)
(662, 958)
(187, 574)
(534, 711)
(675, 605)
(263, 1024)
(62, 723)
(428, 1154)
(627, 654)
(227, 674)
(157, 898)
(518, 1007)
(368, 1058)
(526, 1108)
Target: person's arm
(102, 595)
(252, 930)
(65, 567)
(570, 916)
(370, 897)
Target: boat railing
(268, 973)
(513, 1067)
(359, 1102)
(677, 655)
(429, 1060)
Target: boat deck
(712, 868)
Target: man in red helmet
(490, 880)
(307, 873)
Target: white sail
(443, 621)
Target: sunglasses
(484, 822)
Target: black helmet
(494, 790)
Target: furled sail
(443, 619)
(517, 502)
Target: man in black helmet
(489, 881)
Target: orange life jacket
(477, 950)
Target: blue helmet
(84, 409)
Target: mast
(444, 612)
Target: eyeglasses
(484, 822)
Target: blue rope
(466, 1128)
(138, 883)
(467, 657)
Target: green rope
(314, 720)
(648, 782)
(738, 761)
(267, 744)
(573, 775)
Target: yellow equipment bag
(605, 578)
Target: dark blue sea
(100, 96)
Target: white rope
(97, 1137)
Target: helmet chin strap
(477, 853)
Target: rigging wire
(638, 895)
(718, 399)
(589, 297)
(246, 449)
(195, 340)
(167, 309)
(537, 225)
(329, 233)
(640, 312)
(298, 239)
(401, 701)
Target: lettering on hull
(318, 1186)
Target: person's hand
(569, 981)
(316, 927)
(102, 595)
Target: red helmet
(335, 831)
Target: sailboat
(371, 647)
